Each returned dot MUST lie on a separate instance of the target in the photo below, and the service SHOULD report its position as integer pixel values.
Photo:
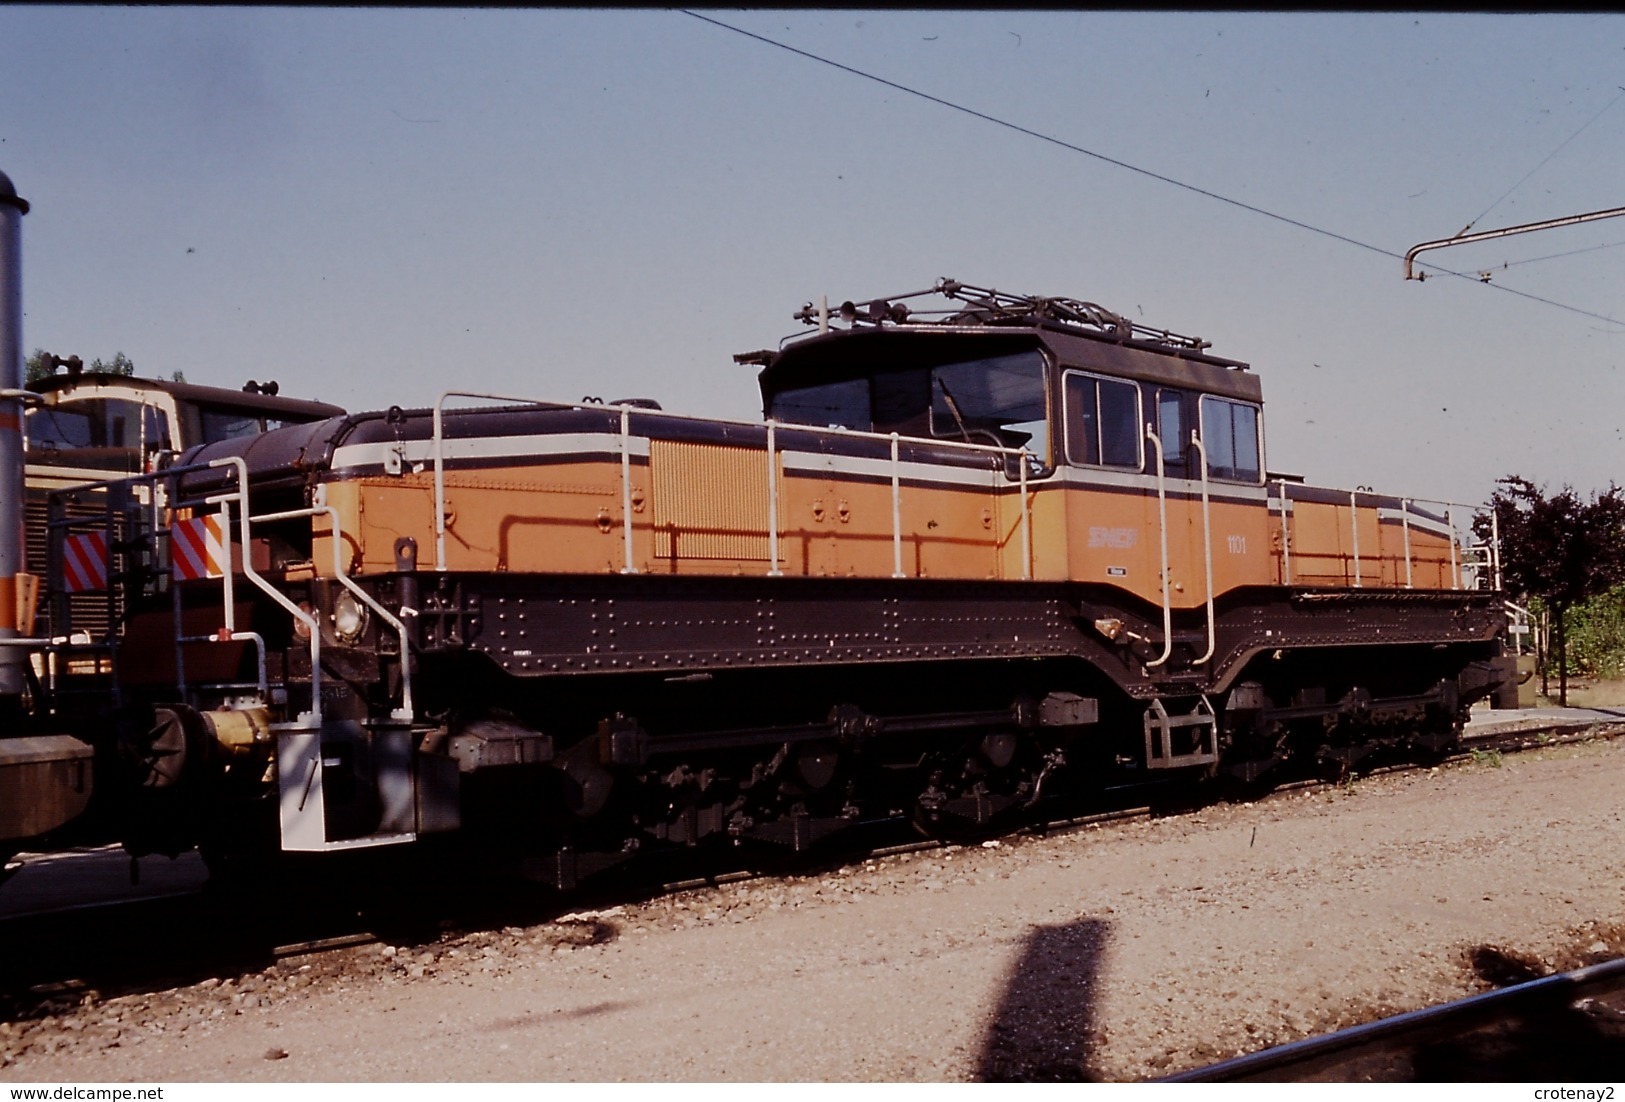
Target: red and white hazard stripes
(196, 549)
(84, 562)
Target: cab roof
(883, 335)
(271, 405)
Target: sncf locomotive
(983, 548)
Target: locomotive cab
(100, 426)
(1068, 384)
(993, 389)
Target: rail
(1404, 1032)
(1003, 456)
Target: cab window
(1102, 421)
(993, 401)
(98, 434)
(225, 423)
(998, 401)
(843, 405)
(1171, 429)
(1230, 433)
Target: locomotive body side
(956, 562)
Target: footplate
(1177, 741)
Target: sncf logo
(1113, 537)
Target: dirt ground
(1120, 952)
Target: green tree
(119, 365)
(42, 365)
(38, 366)
(1560, 548)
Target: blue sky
(374, 206)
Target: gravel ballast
(1119, 952)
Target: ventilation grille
(87, 612)
(710, 501)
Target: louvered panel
(88, 612)
(710, 501)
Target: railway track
(186, 936)
(1569, 1026)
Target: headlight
(349, 617)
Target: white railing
(1519, 620)
(1490, 552)
(1405, 526)
(1286, 535)
(228, 632)
(1207, 553)
(320, 507)
(771, 526)
(1162, 530)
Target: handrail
(228, 632)
(1495, 546)
(321, 508)
(1455, 562)
(1286, 536)
(896, 509)
(226, 635)
(1207, 549)
(1354, 524)
(440, 460)
(154, 481)
(1026, 522)
(437, 445)
(629, 567)
(1405, 523)
(1162, 526)
(244, 521)
(57, 643)
(773, 570)
(405, 711)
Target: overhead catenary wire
(1525, 177)
(1115, 162)
(1559, 256)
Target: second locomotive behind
(969, 557)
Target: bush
(1596, 630)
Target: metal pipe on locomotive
(966, 560)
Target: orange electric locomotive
(971, 557)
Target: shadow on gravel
(1556, 1041)
(1043, 1029)
(145, 945)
